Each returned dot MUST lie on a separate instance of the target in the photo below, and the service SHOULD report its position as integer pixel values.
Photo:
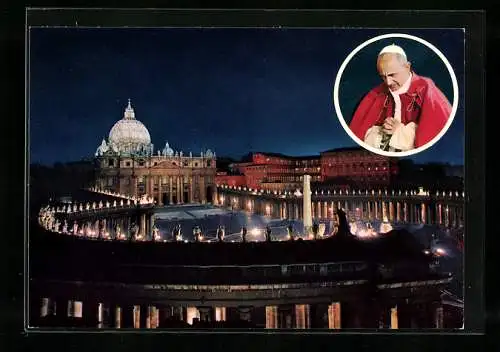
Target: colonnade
(335, 315)
(166, 189)
(395, 210)
(129, 227)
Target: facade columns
(191, 195)
(376, 217)
(179, 189)
(405, 212)
(170, 190)
(334, 317)
(271, 317)
(369, 210)
(423, 214)
(203, 192)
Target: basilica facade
(127, 163)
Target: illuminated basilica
(127, 163)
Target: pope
(405, 111)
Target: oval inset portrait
(396, 95)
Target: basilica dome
(129, 135)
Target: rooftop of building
(289, 157)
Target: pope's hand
(390, 125)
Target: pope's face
(393, 71)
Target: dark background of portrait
(360, 74)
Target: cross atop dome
(129, 112)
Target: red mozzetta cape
(423, 104)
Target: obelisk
(307, 217)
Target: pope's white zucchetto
(393, 49)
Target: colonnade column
(391, 211)
(191, 314)
(405, 212)
(394, 317)
(302, 316)
(438, 317)
(46, 307)
(334, 317)
(220, 313)
(143, 225)
(271, 317)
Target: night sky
(231, 90)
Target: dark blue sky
(230, 90)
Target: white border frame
(376, 150)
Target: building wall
(280, 172)
(230, 180)
(357, 165)
(169, 180)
